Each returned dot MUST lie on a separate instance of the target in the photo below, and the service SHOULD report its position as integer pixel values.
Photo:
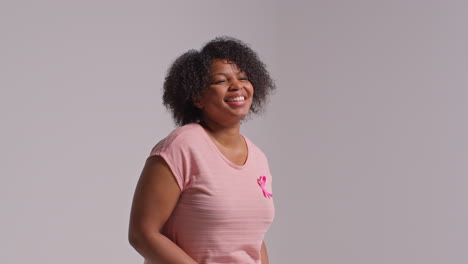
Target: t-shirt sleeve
(177, 156)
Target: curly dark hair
(189, 75)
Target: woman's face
(228, 95)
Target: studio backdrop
(366, 135)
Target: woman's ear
(197, 102)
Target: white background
(366, 135)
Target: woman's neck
(226, 135)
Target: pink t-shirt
(224, 209)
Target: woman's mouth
(236, 101)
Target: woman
(204, 195)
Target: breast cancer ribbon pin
(261, 181)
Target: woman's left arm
(264, 254)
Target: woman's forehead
(221, 65)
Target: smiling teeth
(236, 99)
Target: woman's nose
(235, 85)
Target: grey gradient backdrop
(366, 134)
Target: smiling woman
(204, 195)
(190, 74)
(228, 95)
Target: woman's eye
(220, 81)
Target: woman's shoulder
(185, 133)
(181, 137)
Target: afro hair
(189, 75)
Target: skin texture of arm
(155, 197)
(264, 254)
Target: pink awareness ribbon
(261, 181)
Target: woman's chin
(241, 114)
(233, 119)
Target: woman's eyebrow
(219, 73)
(222, 73)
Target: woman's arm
(264, 254)
(155, 197)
